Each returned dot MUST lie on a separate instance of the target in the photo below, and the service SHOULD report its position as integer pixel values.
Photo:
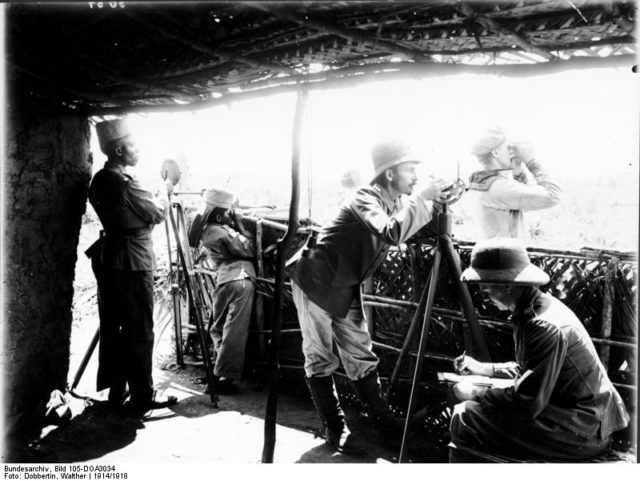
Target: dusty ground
(194, 431)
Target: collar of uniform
(109, 164)
(386, 198)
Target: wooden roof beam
(352, 76)
(214, 53)
(76, 96)
(349, 34)
(109, 73)
(494, 26)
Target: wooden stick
(607, 308)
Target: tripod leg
(175, 297)
(453, 260)
(195, 305)
(433, 282)
(417, 317)
(177, 323)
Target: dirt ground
(195, 431)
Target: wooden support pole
(276, 321)
(259, 300)
(608, 299)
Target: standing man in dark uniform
(123, 263)
(326, 281)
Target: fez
(111, 130)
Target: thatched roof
(147, 56)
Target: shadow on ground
(195, 430)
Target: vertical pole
(292, 228)
(259, 300)
(608, 299)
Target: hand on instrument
(522, 151)
(434, 189)
(168, 185)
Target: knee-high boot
(390, 427)
(327, 405)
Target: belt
(128, 232)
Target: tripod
(195, 292)
(443, 248)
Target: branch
(214, 53)
(494, 26)
(348, 34)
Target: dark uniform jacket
(128, 213)
(353, 245)
(567, 384)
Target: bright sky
(583, 123)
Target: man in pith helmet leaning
(327, 275)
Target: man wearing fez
(327, 275)
(562, 405)
(511, 181)
(123, 262)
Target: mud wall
(46, 177)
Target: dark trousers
(506, 433)
(125, 305)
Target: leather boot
(390, 427)
(328, 408)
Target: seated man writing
(562, 405)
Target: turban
(218, 198)
(488, 141)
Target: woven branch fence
(599, 286)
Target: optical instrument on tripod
(422, 317)
(182, 272)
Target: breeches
(232, 304)
(319, 330)
(125, 305)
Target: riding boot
(390, 427)
(328, 408)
